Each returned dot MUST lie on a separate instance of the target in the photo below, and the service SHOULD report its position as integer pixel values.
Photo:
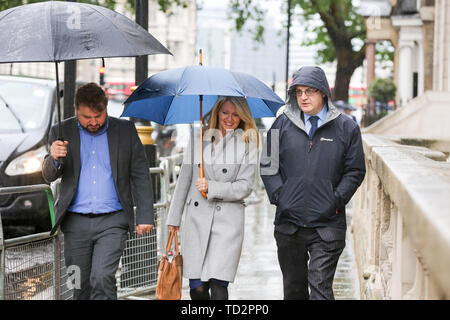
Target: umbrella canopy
(55, 31)
(172, 96)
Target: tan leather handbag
(170, 272)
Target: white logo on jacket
(326, 139)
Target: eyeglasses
(309, 92)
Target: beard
(93, 129)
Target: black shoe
(200, 293)
(218, 292)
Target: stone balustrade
(401, 220)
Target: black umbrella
(56, 31)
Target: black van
(27, 109)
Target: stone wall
(401, 221)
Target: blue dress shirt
(322, 116)
(96, 192)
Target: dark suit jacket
(128, 164)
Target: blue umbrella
(185, 95)
(173, 96)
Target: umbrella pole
(201, 142)
(58, 103)
(201, 129)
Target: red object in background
(119, 90)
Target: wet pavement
(259, 275)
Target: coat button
(218, 208)
(224, 170)
(196, 203)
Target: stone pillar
(370, 58)
(405, 72)
(409, 58)
(441, 72)
(427, 16)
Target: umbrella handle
(201, 141)
(61, 160)
(202, 176)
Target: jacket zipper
(307, 170)
(310, 147)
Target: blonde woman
(213, 228)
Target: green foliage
(333, 26)
(242, 11)
(385, 54)
(337, 27)
(382, 90)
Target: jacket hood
(310, 76)
(314, 77)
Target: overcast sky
(272, 7)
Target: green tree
(340, 33)
(382, 90)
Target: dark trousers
(92, 250)
(294, 252)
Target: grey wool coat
(213, 229)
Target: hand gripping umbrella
(56, 31)
(180, 95)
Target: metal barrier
(29, 265)
(137, 268)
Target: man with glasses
(315, 165)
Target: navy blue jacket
(310, 182)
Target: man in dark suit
(315, 166)
(104, 173)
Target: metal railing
(28, 265)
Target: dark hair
(91, 95)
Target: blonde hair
(247, 124)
